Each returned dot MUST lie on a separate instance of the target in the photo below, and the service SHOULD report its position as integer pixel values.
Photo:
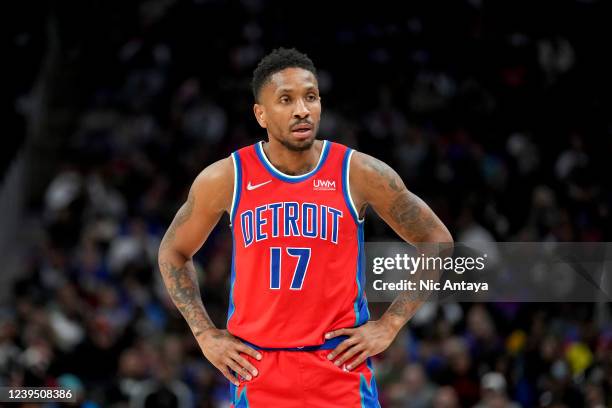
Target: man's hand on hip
(223, 351)
(364, 341)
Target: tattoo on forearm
(398, 307)
(182, 215)
(181, 281)
(182, 285)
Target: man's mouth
(302, 128)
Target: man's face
(290, 108)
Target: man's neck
(291, 162)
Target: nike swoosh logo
(254, 186)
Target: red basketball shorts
(305, 379)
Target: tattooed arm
(376, 184)
(373, 183)
(209, 197)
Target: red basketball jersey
(297, 265)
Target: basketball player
(298, 329)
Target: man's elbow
(168, 252)
(162, 250)
(442, 235)
(445, 241)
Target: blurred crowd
(497, 123)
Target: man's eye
(311, 98)
(284, 99)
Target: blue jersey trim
(233, 210)
(237, 186)
(232, 307)
(285, 177)
(239, 400)
(346, 190)
(328, 345)
(368, 390)
(360, 306)
(362, 313)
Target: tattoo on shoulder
(181, 217)
(408, 211)
(383, 170)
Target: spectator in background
(446, 397)
(129, 380)
(414, 391)
(164, 390)
(507, 124)
(493, 391)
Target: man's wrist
(203, 333)
(392, 323)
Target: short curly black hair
(275, 61)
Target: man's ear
(260, 115)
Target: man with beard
(298, 329)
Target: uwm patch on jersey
(297, 266)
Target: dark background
(497, 114)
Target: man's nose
(300, 111)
